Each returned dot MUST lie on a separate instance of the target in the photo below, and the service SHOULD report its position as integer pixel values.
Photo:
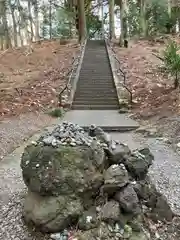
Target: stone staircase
(94, 96)
(95, 88)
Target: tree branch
(162, 59)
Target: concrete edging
(76, 77)
(122, 93)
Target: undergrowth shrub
(171, 58)
(56, 112)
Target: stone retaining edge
(76, 77)
(123, 96)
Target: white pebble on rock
(55, 236)
(178, 145)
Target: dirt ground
(29, 82)
(154, 96)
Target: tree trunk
(30, 19)
(1, 43)
(82, 21)
(102, 19)
(37, 37)
(15, 32)
(111, 19)
(143, 21)
(71, 22)
(169, 9)
(123, 20)
(178, 24)
(22, 19)
(50, 19)
(3, 9)
(19, 36)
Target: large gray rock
(63, 170)
(138, 163)
(147, 192)
(128, 200)
(116, 174)
(115, 177)
(100, 135)
(88, 220)
(94, 234)
(162, 210)
(139, 236)
(118, 154)
(110, 212)
(52, 214)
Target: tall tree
(15, 32)
(111, 19)
(30, 18)
(50, 19)
(36, 17)
(143, 20)
(24, 22)
(3, 10)
(123, 20)
(82, 20)
(169, 8)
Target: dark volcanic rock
(118, 154)
(147, 192)
(128, 200)
(88, 220)
(115, 177)
(138, 163)
(100, 135)
(110, 212)
(116, 174)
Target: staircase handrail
(70, 73)
(107, 40)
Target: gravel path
(16, 130)
(165, 172)
(12, 192)
(12, 189)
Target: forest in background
(26, 21)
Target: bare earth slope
(29, 84)
(152, 88)
(156, 100)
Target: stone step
(97, 73)
(88, 95)
(95, 99)
(95, 88)
(97, 82)
(108, 120)
(95, 79)
(94, 76)
(95, 102)
(94, 95)
(94, 107)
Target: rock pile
(87, 181)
